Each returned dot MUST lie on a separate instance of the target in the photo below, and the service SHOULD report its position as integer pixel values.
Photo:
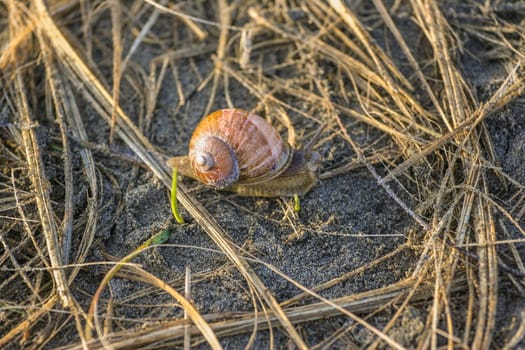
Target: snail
(238, 151)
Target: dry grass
(432, 119)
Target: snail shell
(233, 146)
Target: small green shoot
(174, 208)
(162, 237)
(297, 203)
(56, 147)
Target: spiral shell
(235, 146)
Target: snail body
(238, 151)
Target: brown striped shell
(235, 146)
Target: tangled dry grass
(396, 67)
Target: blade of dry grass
(187, 295)
(140, 37)
(185, 16)
(224, 18)
(375, 53)
(433, 24)
(38, 179)
(77, 129)
(57, 109)
(488, 272)
(116, 30)
(406, 50)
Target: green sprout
(297, 203)
(174, 208)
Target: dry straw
(434, 141)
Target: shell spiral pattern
(236, 146)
